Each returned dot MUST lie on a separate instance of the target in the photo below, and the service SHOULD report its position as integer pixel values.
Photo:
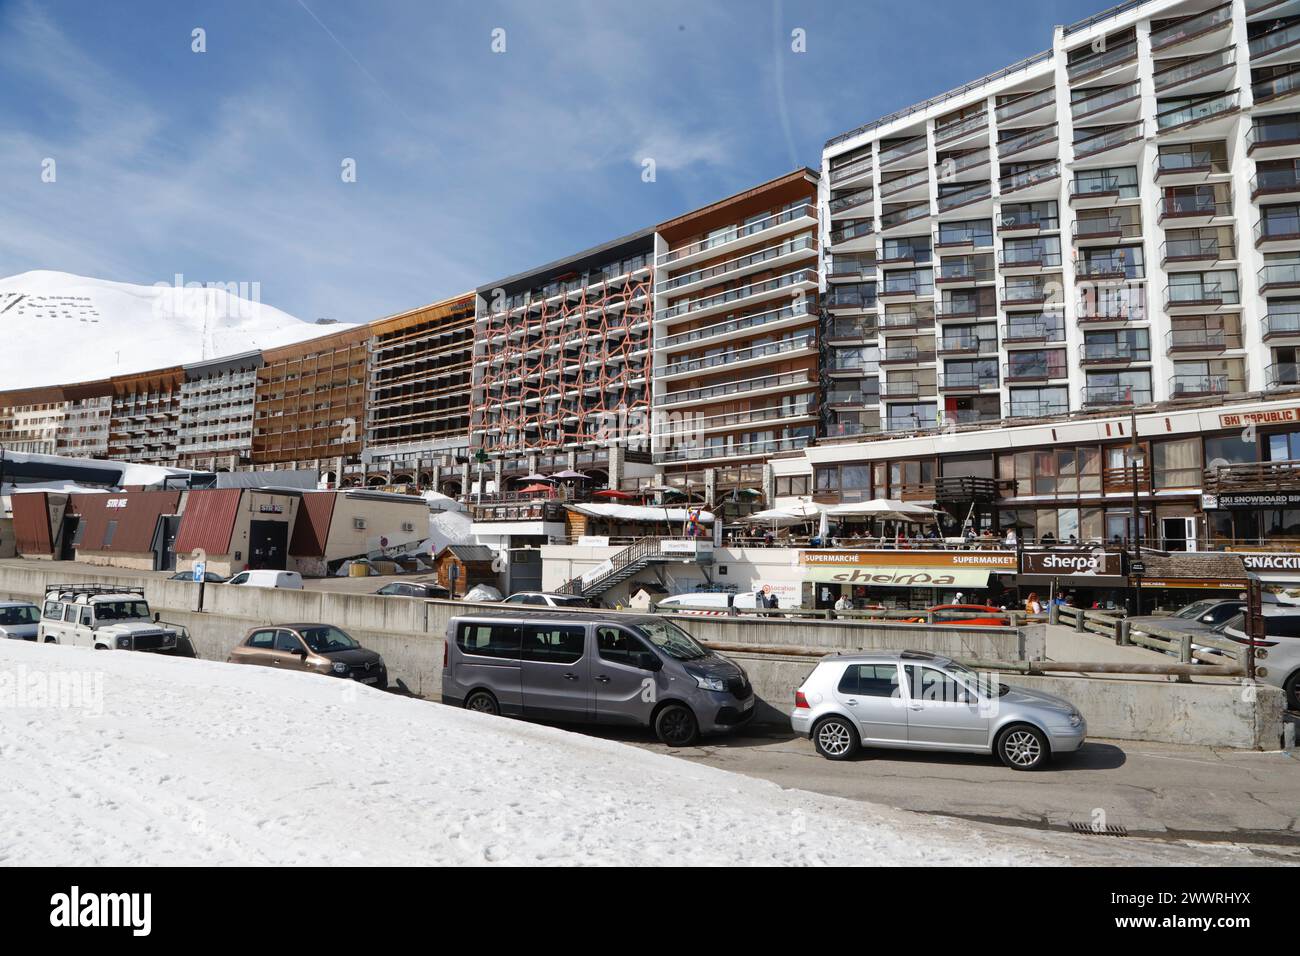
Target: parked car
(637, 670)
(913, 700)
(547, 599)
(985, 615)
(105, 618)
(1281, 665)
(290, 580)
(319, 648)
(1199, 616)
(209, 577)
(709, 601)
(482, 593)
(19, 620)
(416, 589)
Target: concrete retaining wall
(408, 633)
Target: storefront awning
(884, 576)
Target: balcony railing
(907, 284)
(1197, 112)
(740, 449)
(1023, 141)
(855, 168)
(1282, 374)
(1276, 86)
(1104, 100)
(735, 388)
(1192, 27)
(1106, 227)
(839, 298)
(1116, 395)
(1275, 40)
(899, 151)
(732, 356)
(723, 269)
(1189, 386)
(1026, 104)
(855, 230)
(1034, 367)
(850, 266)
(744, 292)
(1101, 142)
(953, 236)
(960, 270)
(1256, 476)
(1201, 340)
(1115, 352)
(852, 200)
(899, 217)
(965, 196)
(903, 388)
(1188, 161)
(961, 307)
(1116, 265)
(1281, 324)
(853, 329)
(1018, 408)
(1010, 220)
(1193, 206)
(1035, 330)
(741, 324)
(1201, 293)
(1102, 61)
(1193, 69)
(1030, 177)
(967, 381)
(740, 232)
(914, 179)
(1206, 249)
(904, 319)
(966, 127)
(1272, 132)
(895, 252)
(967, 342)
(1095, 187)
(1277, 228)
(1275, 181)
(1022, 257)
(906, 354)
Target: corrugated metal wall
(209, 521)
(311, 529)
(32, 522)
(133, 515)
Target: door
(623, 691)
(68, 538)
(870, 693)
(289, 652)
(941, 712)
(489, 657)
(268, 543)
(1179, 534)
(52, 622)
(555, 671)
(164, 542)
(257, 649)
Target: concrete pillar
(769, 486)
(710, 484)
(616, 453)
(464, 477)
(498, 467)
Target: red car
(987, 616)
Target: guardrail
(869, 615)
(1179, 644)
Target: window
(287, 641)
(554, 644)
(1177, 463)
(87, 618)
(69, 614)
(489, 640)
(928, 683)
(53, 611)
(109, 532)
(870, 680)
(619, 646)
(263, 639)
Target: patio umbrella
(536, 489)
(533, 477)
(614, 495)
(568, 474)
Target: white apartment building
(1110, 222)
(215, 424)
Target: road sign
(1136, 567)
(200, 569)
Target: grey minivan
(637, 670)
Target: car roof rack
(918, 656)
(76, 590)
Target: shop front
(909, 579)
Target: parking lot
(1150, 790)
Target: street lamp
(1136, 459)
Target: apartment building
(736, 335)
(562, 365)
(30, 419)
(215, 429)
(144, 417)
(1110, 222)
(87, 413)
(309, 405)
(418, 396)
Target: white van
(291, 580)
(715, 601)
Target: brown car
(321, 648)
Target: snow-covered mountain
(57, 328)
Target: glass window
(489, 640)
(263, 639)
(928, 683)
(1228, 450)
(287, 641)
(1177, 464)
(870, 680)
(620, 646)
(554, 644)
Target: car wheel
(484, 703)
(50, 640)
(1022, 747)
(1292, 689)
(676, 726)
(835, 738)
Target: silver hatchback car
(917, 701)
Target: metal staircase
(635, 557)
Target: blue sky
(471, 165)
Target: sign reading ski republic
(906, 569)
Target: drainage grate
(1091, 829)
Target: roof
(640, 241)
(1195, 564)
(867, 657)
(31, 512)
(469, 552)
(209, 520)
(123, 522)
(311, 530)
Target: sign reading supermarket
(906, 569)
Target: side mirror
(301, 652)
(157, 616)
(648, 662)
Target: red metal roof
(313, 525)
(32, 522)
(133, 516)
(209, 521)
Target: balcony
(966, 196)
(905, 252)
(738, 357)
(1274, 89)
(1031, 367)
(1116, 265)
(751, 386)
(969, 416)
(905, 388)
(1095, 395)
(852, 330)
(1123, 303)
(1092, 191)
(907, 285)
(1201, 251)
(1033, 144)
(771, 446)
(1104, 229)
(906, 355)
(850, 268)
(1273, 138)
(1200, 295)
(1278, 277)
(1252, 477)
(1261, 9)
(1119, 142)
(967, 343)
(849, 300)
(951, 166)
(1282, 375)
(964, 381)
(965, 272)
(1039, 101)
(857, 236)
(1028, 258)
(1276, 183)
(1200, 386)
(1278, 232)
(899, 153)
(1039, 330)
(906, 320)
(1195, 209)
(768, 321)
(1269, 47)
(708, 305)
(1025, 222)
(768, 259)
(953, 134)
(895, 218)
(1123, 56)
(1114, 353)
(1193, 33)
(1200, 75)
(966, 307)
(858, 199)
(1201, 340)
(954, 236)
(1038, 182)
(790, 220)
(1036, 408)
(1190, 166)
(848, 173)
(1026, 296)
(1281, 325)
(913, 185)
(1121, 102)
(1199, 114)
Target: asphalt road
(1149, 790)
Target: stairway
(635, 557)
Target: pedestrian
(957, 599)
(845, 603)
(1032, 604)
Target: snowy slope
(198, 762)
(59, 328)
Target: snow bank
(176, 761)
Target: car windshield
(1194, 610)
(322, 640)
(570, 602)
(981, 682)
(14, 616)
(673, 641)
(121, 610)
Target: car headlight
(706, 682)
(1075, 718)
(340, 668)
(124, 643)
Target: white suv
(104, 618)
(1280, 663)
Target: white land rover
(105, 618)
